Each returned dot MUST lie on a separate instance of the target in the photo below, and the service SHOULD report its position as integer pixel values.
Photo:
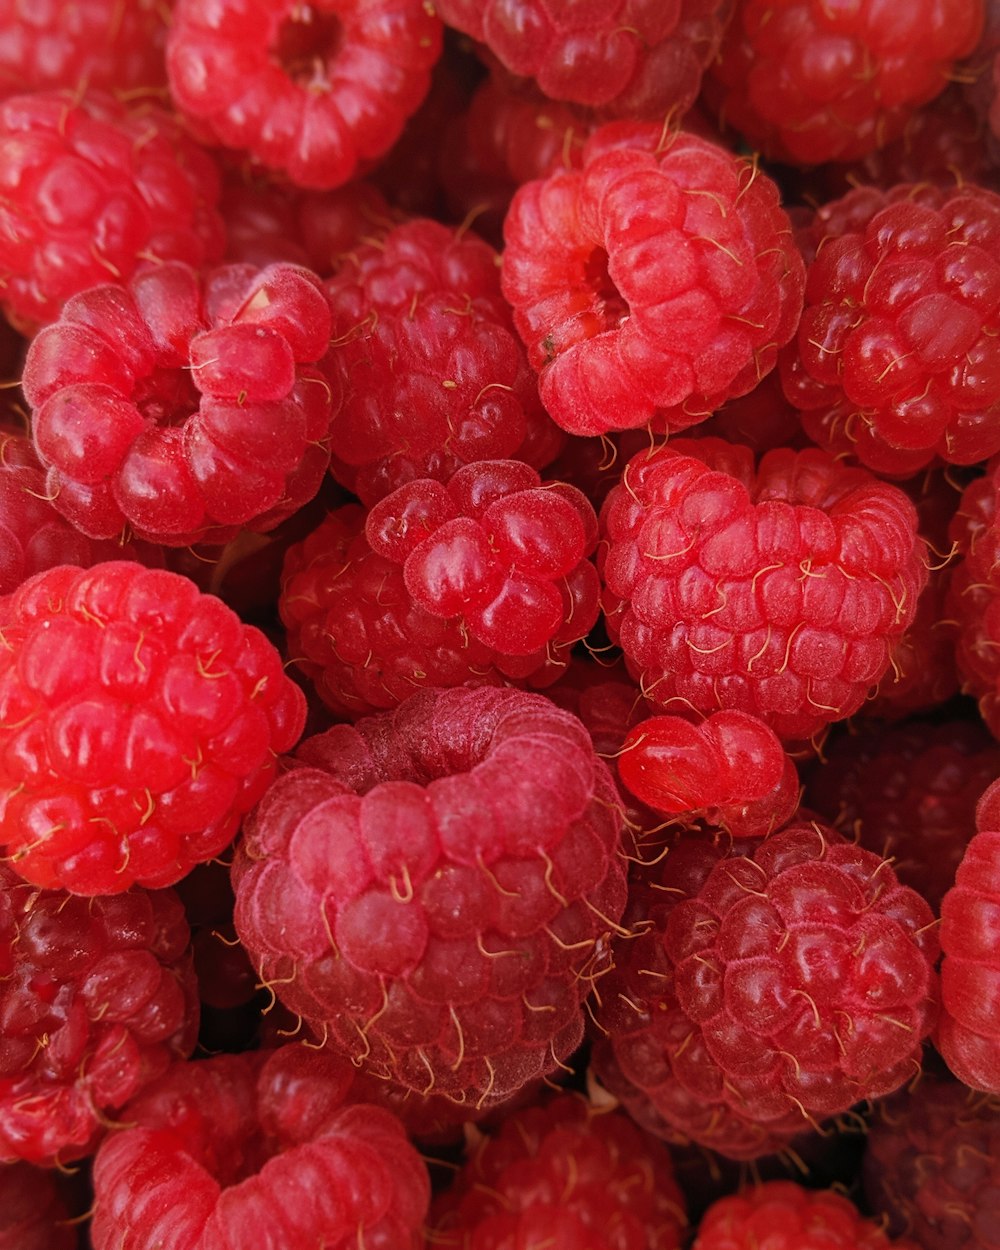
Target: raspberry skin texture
(184, 408)
(566, 1174)
(93, 190)
(139, 719)
(893, 361)
(32, 1213)
(652, 284)
(98, 997)
(770, 989)
(315, 92)
(778, 590)
(484, 580)
(271, 1144)
(809, 82)
(433, 889)
(425, 368)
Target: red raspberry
(768, 990)
(426, 371)
(32, 1213)
(97, 996)
(782, 1215)
(762, 419)
(932, 1165)
(652, 284)
(485, 578)
(631, 58)
(809, 82)
(184, 408)
(563, 1174)
(139, 719)
(433, 889)
(778, 591)
(94, 191)
(258, 1148)
(311, 90)
(893, 362)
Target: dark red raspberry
(426, 371)
(485, 578)
(769, 990)
(762, 419)
(652, 284)
(94, 191)
(893, 362)
(932, 1165)
(433, 889)
(183, 408)
(779, 590)
(139, 719)
(232, 1150)
(562, 1173)
(32, 1213)
(810, 82)
(314, 91)
(97, 996)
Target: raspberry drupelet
(32, 1213)
(315, 91)
(433, 889)
(139, 719)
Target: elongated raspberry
(811, 82)
(433, 889)
(139, 719)
(224, 1151)
(778, 591)
(183, 408)
(653, 283)
(97, 996)
(770, 989)
(94, 191)
(32, 1213)
(484, 579)
(310, 90)
(565, 1174)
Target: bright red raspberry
(314, 91)
(266, 1147)
(97, 997)
(486, 578)
(652, 284)
(32, 1213)
(94, 191)
(932, 1165)
(562, 1173)
(893, 362)
(426, 371)
(183, 408)
(810, 82)
(769, 990)
(779, 590)
(139, 719)
(433, 889)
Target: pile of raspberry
(499, 625)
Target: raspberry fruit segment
(139, 719)
(32, 1213)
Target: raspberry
(563, 1174)
(94, 191)
(782, 1215)
(931, 1165)
(893, 362)
(762, 419)
(314, 91)
(812, 82)
(97, 996)
(138, 720)
(234, 1149)
(485, 578)
(32, 1213)
(652, 284)
(426, 370)
(768, 990)
(184, 408)
(778, 591)
(433, 889)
